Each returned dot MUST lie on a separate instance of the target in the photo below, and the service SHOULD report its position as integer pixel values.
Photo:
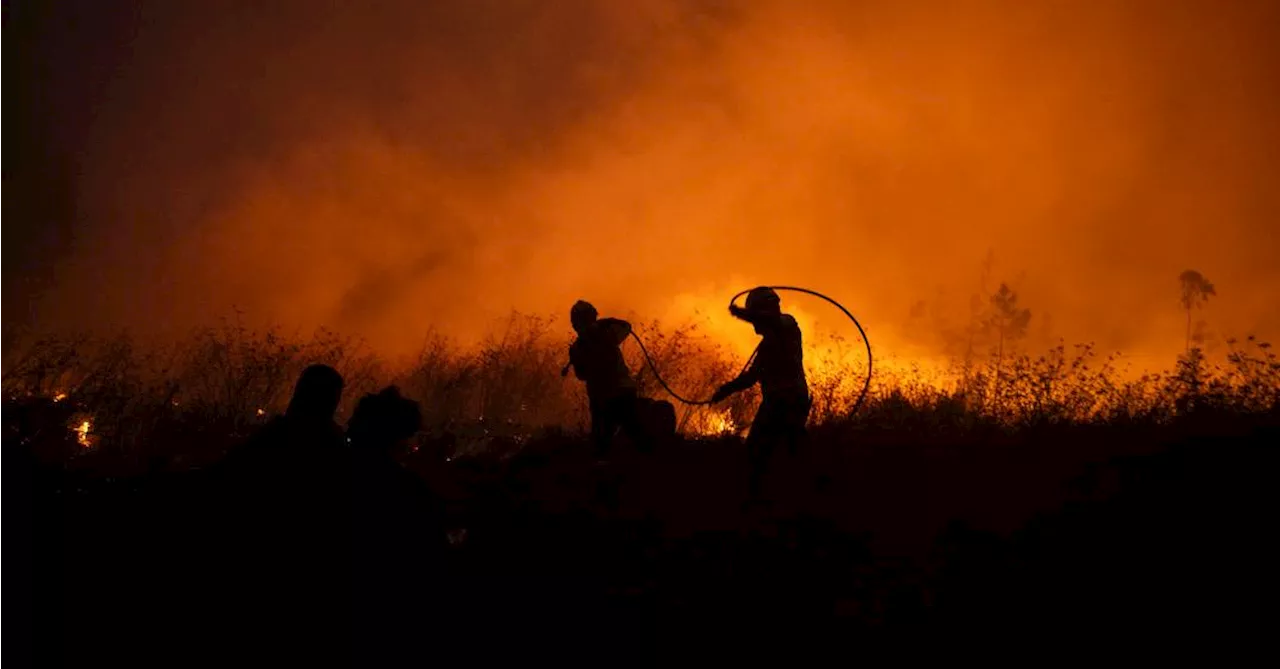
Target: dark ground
(1056, 541)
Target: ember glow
(720, 423)
(432, 166)
(82, 434)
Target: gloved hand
(721, 393)
(737, 311)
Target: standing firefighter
(779, 369)
(596, 358)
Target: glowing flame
(261, 412)
(59, 397)
(716, 424)
(82, 434)
(722, 423)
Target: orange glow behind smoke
(832, 344)
(386, 174)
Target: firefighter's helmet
(764, 301)
(582, 312)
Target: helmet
(763, 300)
(582, 311)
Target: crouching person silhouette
(596, 359)
(779, 369)
(400, 582)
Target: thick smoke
(389, 168)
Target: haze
(387, 168)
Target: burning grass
(192, 401)
(991, 494)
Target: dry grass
(194, 399)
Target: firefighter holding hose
(596, 359)
(779, 369)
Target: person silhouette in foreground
(396, 513)
(596, 359)
(779, 369)
(305, 437)
(285, 551)
(398, 538)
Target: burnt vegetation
(1037, 494)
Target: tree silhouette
(977, 319)
(1007, 320)
(1195, 292)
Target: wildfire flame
(717, 424)
(59, 397)
(82, 434)
(722, 423)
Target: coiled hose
(866, 385)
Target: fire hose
(866, 385)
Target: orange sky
(386, 171)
